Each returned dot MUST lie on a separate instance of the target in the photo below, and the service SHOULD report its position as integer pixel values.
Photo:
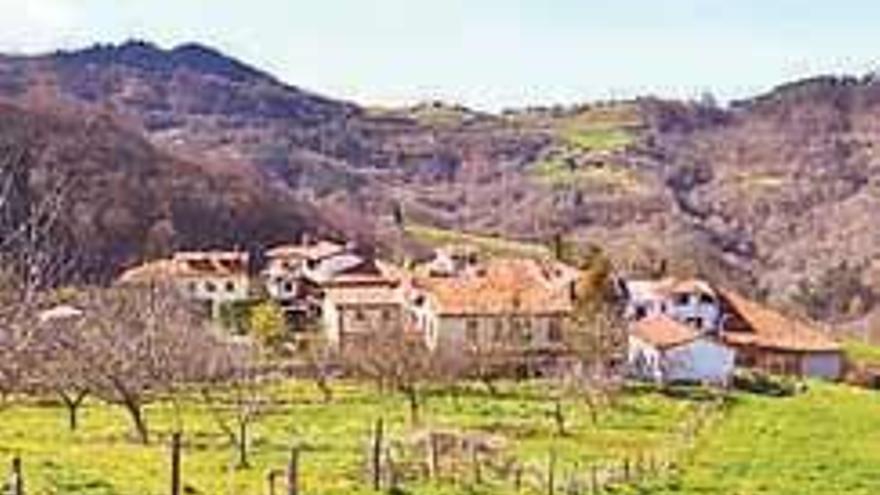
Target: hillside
(125, 200)
(772, 194)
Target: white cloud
(37, 25)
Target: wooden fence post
(293, 472)
(175, 463)
(594, 479)
(517, 478)
(16, 482)
(551, 473)
(376, 460)
(433, 457)
(270, 481)
(475, 461)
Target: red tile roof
(663, 332)
(770, 329)
(499, 286)
(188, 265)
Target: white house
(694, 302)
(287, 265)
(663, 350)
(213, 278)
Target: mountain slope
(772, 194)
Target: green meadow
(824, 441)
(103, 458)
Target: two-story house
(213, 278)
(518, 308)
(761, 337)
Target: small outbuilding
(662, 350)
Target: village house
(766, 339)
(213, 278)
(517, 307)
(761, 337)
(286, 266)
(694, 302)
(360, 298)
(663, 350)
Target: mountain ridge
(720, 191)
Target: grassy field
(433, 236)
(598, 138)
(102, 458)
(862, 354)
(555, 172)
(826, 441)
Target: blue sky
(485, 53)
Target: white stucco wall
(702, 360)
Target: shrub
(759, 382)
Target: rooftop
(663, 332)
(773, 330)
(499, 286)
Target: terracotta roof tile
(663, 332)
(499, 286)
(771, 329)
(364, 296)
(188, 265)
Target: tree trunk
(72, 402)
(243, 445)
(326, 390)
(413, 399)
(136, 412)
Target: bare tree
(34, 254)
(237, 396)
(594, 335)
(60, 358)
(395, 360)
(142, 342)
(321, 362)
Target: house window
(525, 332)
(210, 286)
(471, 330)
(498, 331)
(386, 315)
(288, 287)
(695, 322)
(230, 286)
(682, 299)
(359, 315)
(641, 312)
(554, 331)
(706, 299)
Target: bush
(759, 382)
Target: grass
(825, 441)
(599, 138)
(822, 442)
(434, 236)
(555, 172)
(102, 459)
(862, 353)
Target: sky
(488, 54)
